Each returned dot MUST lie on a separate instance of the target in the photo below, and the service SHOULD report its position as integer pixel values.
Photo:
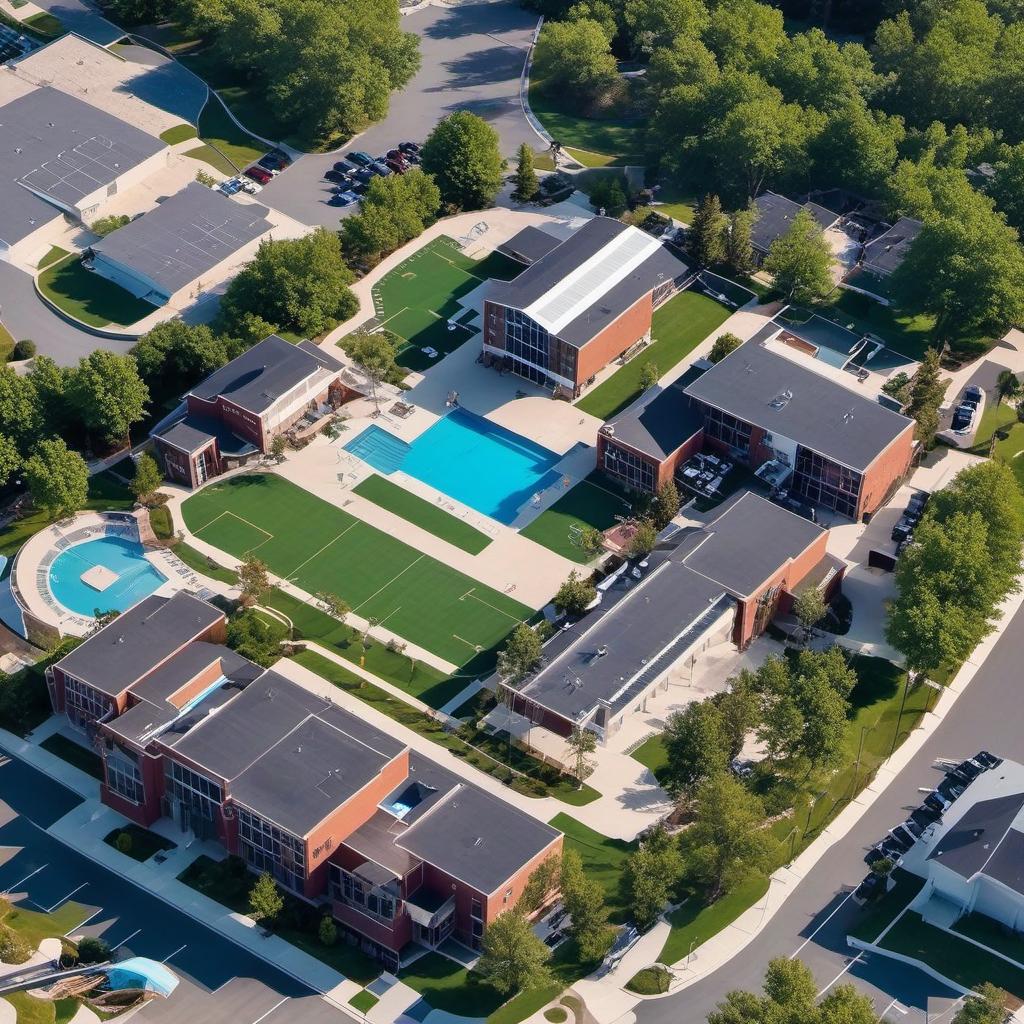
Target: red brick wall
(196, 684)
(541, 716)
(393, 938)
(240, 421)
(610, 343)
(177, 465)
(496, 903)
(146, 813)
(890, 466)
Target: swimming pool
(468, 458)
(136, 577)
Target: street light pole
(899, 719)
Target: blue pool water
(468, 458)
(136, 577)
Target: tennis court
(416, 299)
(319, 547)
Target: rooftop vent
(848, 416)
(602, 650)
(782, 399)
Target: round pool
(105, 574)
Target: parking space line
(175, 953)
(820, 926)
(123, 941)
(50, 910)
(271, 1010)
(223, 984)
(855, 960)
(25, 879)
(82, 924)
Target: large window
(630, 468)
(124, 777)
(348, 888)
(826, 483)
(526, 339)
(84, 704)
(733, 432)
(195, 791)
(269, 848)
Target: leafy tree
(607, 194)
(705, 240)
(649, 375)
(108, 394)
(20, 417)
(278, 446)
(583, 898)
(463, 155)
(174, 356)
(801, 260)
(739, 246)
(898, 387)
(265, 902)
(374, 354)
(394, 209)
(123, 842)
(327, 933)
(520, 655)
(591, 540)
(105, 225)
(724, 344)
(57, 478)
(665, 506)
(23, 349)
(651, 874)
(645, 536)
(205, 179)
(47, 383)
(137, 12)
(987, 1007)
(543, 882)
(573, 59)
(727, 841)
(925, 394)
(253, 580)
(740, 707)
(582, 743)
(1007, 187)
(1007, 386)
(295, 284)
(810, 608)
(93, 950)
(527, 185)
(814, 71)
(513, 958)
(656, 23)
(256, 638)
(335, 606)
(696, 748)
(10, 459)
(575, 594)
(607, 16)
(745, 34)
(147, 479)
(857, 148)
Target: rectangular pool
(468, 458)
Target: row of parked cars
(904, 529)
(901, 838)
(966, 412)
(352, 176)
(252, 179)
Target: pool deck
(30, 574)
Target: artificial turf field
(416, 299)
(319, 547)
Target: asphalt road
(472, 57)
(815, 919)
(82, 17)
(221, 983)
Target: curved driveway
(815, 919)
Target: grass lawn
(423, 513)
(906, 333)
(144, 842)
(604, 860)
(416, 299)
(678, 203)
(621, 139)
(6, 344)
(594, 502)
(450, 987)
(1010, 451)
(320, 547)
(45, 24)
(651, 754)
(875, 916)
(678, 327)
(992, 934)
(198, 561)
(178, 133)
(364, 1001)
(88, 297)
(32, 926)
(31, 1010)
(56, 253)
(649, 982)
(957, 960)
(160, 520)
(229, 883)
(218, 131)
(74, 753)
(588, 159)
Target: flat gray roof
(749, 542)
(529, 245)
(193, 433)
(139, 641)
(586, 282)
(782, 396)
(985, 840)
(476, 837)
(885, 253)
(261, 375)
(184, 237)
(659, 427)
(776, 214)
(59, 148)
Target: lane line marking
(82, 924)
(50, 910)
(21, 881)
(271, 1010)
(855, 960)
(123, 941)
(849, 896)
(419, 558)
(175, 953)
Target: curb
(96, 332)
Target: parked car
(903, 835)
(282, 156)
(381, 168)
(346, 167)
(871, 888)
(343, 199)
(925, 816)
(398, 156)
(357, 156)
(873, 856)
(359, 187)
(364, 175)
(893, 848)
(950, 789)
(983, 757)
(271, 163)
(937, 802)
(409, 147)
(260, 174)
(968, 769)
(972, 396)
(230, 187)
(963, 418)
(913, 827)
(398, 168)
(251, 187)
(339, 176)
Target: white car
(251, 187)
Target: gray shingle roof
(975, 843)
(60, 148)
(257, 378)
(529, 245)
(775, 216)
(753, 383)
(139, 640)
(195, 432)
(667, 420)
(184, 237)
(885, 253)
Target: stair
(379, 449)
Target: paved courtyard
(472, 58)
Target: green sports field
(319, 547)
(417, 298)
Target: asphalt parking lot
(472, 58)
(220, 982)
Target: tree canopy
(394, 209)
(462, 153)
(513, 957)
(801, 260)
(57, 478)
